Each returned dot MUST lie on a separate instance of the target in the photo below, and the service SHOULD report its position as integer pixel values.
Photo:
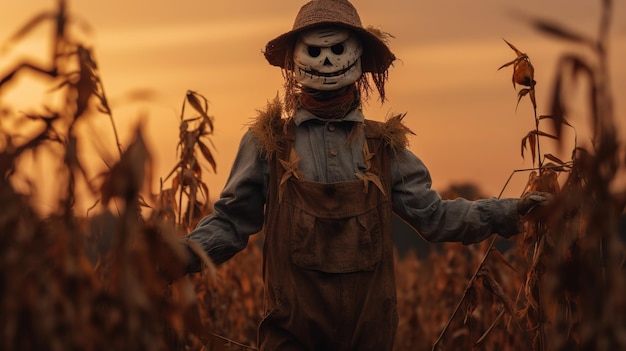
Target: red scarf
(333, 104)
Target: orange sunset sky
(460, 107)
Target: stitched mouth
(314, 72)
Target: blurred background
(462, 109)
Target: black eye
(314, 51)
(337, 49)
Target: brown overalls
(328, 257)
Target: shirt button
(331, 127)
(332, 153)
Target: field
(111, 278)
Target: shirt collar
(303, 115)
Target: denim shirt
(328, 156)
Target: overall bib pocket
(336, 245)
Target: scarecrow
(322, 182)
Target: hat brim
(376, 57)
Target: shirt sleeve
(239, 212)
(438, 220)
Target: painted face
(327, 58)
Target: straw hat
(376, 56)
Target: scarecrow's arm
(239, 211)
(440, 220)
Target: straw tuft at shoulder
(268, 127)
(394, 132)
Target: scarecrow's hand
(173, 259)
(531, 201)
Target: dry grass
(103, 282)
